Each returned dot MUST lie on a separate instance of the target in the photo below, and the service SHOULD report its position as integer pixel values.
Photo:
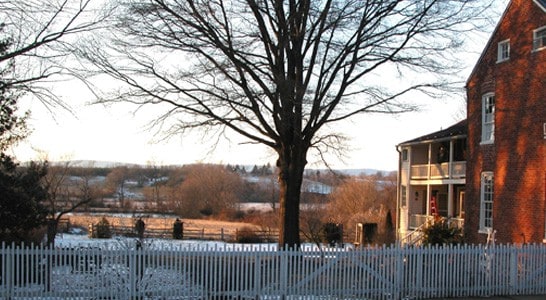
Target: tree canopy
(21, 210)
(39, 39)
(36, 39)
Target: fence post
(257, 275)
(284, 270)
(399, 272)
(90, 230)
(514, 270)
(8, 271)
(132, 272)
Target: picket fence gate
(263, 272)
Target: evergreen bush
(247, 235)
(102, 229)
(440, 232)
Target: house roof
(459, 129)
(489, 42)
(541, 3)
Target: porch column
(450, 203)
(450, 164)
(428, 199)
(429, 160)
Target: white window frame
(503, 51)
(539, 42)
(405, 154)
(488, 118)
(486, 202)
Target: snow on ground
(79, 240)
(88, 276)
(76, 240)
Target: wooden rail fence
(221, 234)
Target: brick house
(503, 188)
(506, 98)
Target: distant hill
(352, 172)
(111, 164)
(355, 172)
(93, 164)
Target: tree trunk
(52, 231)
(290, 181)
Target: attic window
(539, 38)
(503, 51)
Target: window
(403, 196)
(488, 118)
(486, 202)
(539, 39)
(503, 51)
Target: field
(158, 222)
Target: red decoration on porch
(433, 210)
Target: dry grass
(163, 223)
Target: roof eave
(488, 43)
(443, 139)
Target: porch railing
(439, 171)
(417, 221)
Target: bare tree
(364, 199)
(282, 72)
(153, 193)
(117, 183)
(41, 37)
(65, 194)
(208, 190)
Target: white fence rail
(254, 273)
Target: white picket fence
(266, 273)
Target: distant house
(432, 173)
(506, 96)
(493, 176)
(315, 187)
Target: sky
(118, 134)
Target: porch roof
(459, 129)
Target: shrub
(332, 233)
(248, 235)
(102, 229)
(206, 211)
(439, 232)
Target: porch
(446, 170)
(432, 178)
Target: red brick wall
(518, 156)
